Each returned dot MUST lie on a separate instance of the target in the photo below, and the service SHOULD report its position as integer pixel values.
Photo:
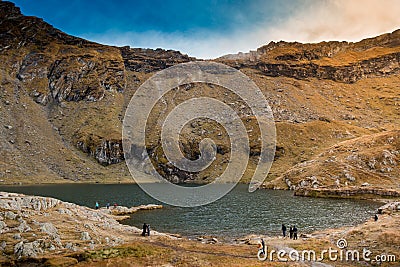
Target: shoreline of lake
(100, 238)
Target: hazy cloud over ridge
(211, 28)
(315, 21)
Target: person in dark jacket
(291, 232)
(263, 246)
(144, 229)
(294, 233)
(283, 230)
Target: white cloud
(317, 21)
(339, 20)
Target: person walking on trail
(263, 246)
(108, 205)
(376, 217)
(148, 229)
(283, 230)
(144, 229)
(294, 233)
(97, 205)
(291, 232)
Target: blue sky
(211, 28)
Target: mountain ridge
(63, 100)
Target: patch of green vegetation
(131, 251)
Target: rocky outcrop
(19, 31)
(375, 67)
(106, 153)
(363, 193)
(389, 208)
(80, 76)
(149, 60)
(85, 77)
(32, 225)
(46, 60)
(337, 61)
(360, 167)
(10, 201)
(121, 210)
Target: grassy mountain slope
(62, 101)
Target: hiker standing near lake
(97, 205)
(263, 246)
(144, 229)
(283, 230)
(294, 233)
(148, 229)
(291, 232)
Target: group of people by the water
(97, 206)
(292, 231)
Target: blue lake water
(237, 214)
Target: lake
(238, 214)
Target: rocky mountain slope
(62, 101)
(350, 167)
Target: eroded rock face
(149, 60)
(376, 67)
(326, 60)
(34, 66)
(55, 65)
(106, 153)
(85, 78)
(72, 78)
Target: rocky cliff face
(56, 68)
(149, 60)
(350, 73)
(108, 152)
(337, 61)
(62, 101)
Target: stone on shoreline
(389, 207)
